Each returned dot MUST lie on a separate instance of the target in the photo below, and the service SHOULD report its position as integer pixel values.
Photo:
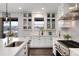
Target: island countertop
(11, 51)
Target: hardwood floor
(40, 52)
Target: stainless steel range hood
(73, 14)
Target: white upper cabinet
(27, 21)
(50, 20)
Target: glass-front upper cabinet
(53, 23)
(29, 15)
(48, 15)
(53, 15)
(50, 21)
(25, 15)
(27, 21)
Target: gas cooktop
(69, 43)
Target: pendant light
(6, 13)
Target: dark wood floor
(40, 52)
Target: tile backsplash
(74, 32)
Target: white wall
(19, 15)
(75, 32)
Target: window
(14, 26)
(38, 23)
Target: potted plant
(67, 36)
(10, 35)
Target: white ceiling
(32, 7)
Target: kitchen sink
(15, 44)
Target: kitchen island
(14, 51)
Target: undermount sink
(15, 44)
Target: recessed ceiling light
(20, 8)
(42, 8)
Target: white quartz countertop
(74, 51)
(11, 51)
(8, 51)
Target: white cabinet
(50, 21)
(34, 42)
(46, 42)
(27, 21)
(42, 42)
(22, 52)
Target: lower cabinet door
(45, 42)
(34, 42)
(42, 42)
